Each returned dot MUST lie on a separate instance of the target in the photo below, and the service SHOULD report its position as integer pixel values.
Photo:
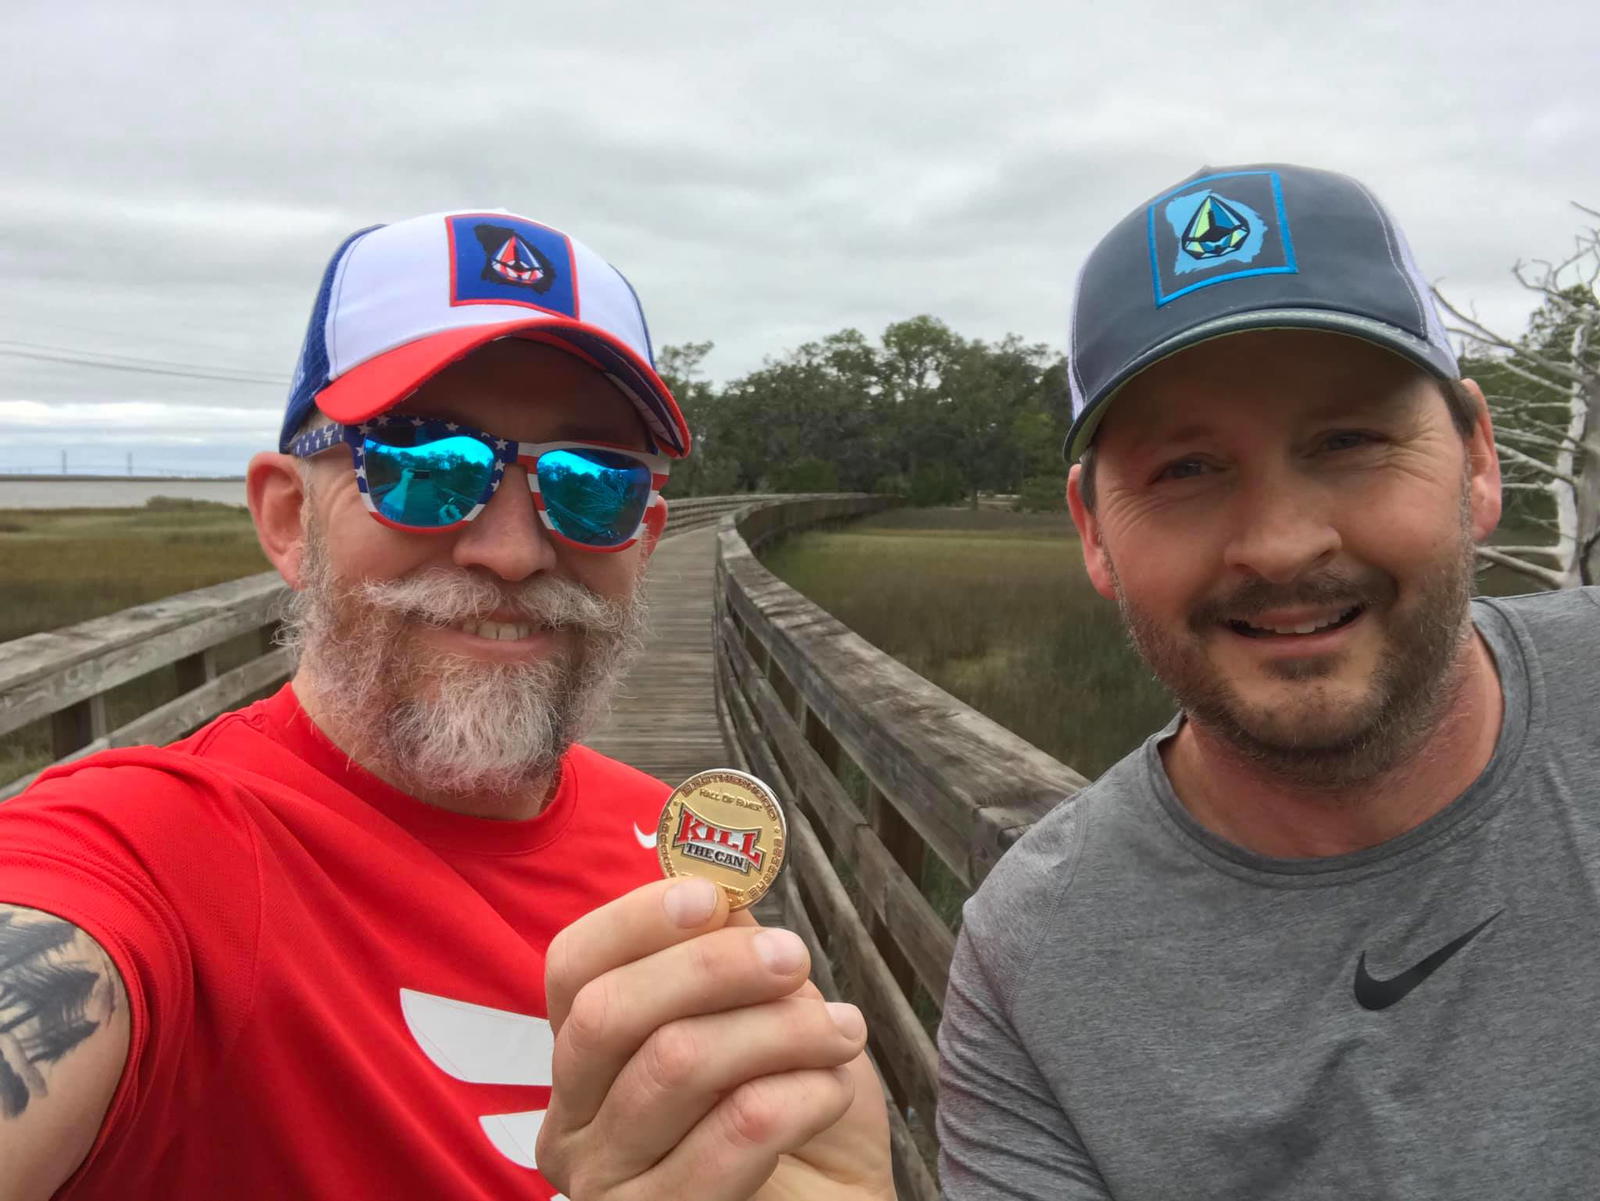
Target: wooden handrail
(885, 774)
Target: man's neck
(1237, 799)
(521, 804)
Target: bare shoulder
(64, 1027)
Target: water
(65, 492)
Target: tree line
(922, 412)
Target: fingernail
(781, 950)
(848, 1018)
(690, 903)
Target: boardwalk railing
(899, 799)
(215, 645)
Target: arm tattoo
(56, 989)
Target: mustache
(1257, 596)
(438, 597)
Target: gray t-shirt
(1141, 1010)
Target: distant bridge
(899, 797)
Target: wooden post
(822, 741)
(902, 842)
(76, 726)
(197, 669)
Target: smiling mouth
(1339, 622)
(499, 631)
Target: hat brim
(1432, 359)
(385, 380)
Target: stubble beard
(1322, 742)
(440, 724)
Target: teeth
(1310, 627)
(496, 631)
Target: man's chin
(1304, 730)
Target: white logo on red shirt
(480, 1045)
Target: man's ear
(1095, 560)
(276, 494)
(1483, 468)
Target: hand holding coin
(724, 826)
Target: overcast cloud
(176, 176)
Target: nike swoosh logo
(647, 841)
(1377, 994)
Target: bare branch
(1521, 486)
(1525, 437)
(1543, 468)
(1475, 329)
(1551, 551)
(1550, 579)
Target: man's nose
(1282, 526)
(507, 538)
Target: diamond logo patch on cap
(1216, 229)
(499, 259)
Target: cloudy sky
(177, 175)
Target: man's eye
(1346, 440)
(1182, 469)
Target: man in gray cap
(1331, 932)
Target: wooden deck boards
(664, 718)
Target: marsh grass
(62, 566)
(995, 608)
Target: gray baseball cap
(1271, 246)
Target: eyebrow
(1386, 405)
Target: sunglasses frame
(506, 452)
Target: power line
(108, 362)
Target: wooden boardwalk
(664, 718)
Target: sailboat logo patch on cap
(499, 259)
(1218, 228)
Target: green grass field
(62, 566)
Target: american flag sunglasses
(429, 475)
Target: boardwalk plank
(664, 718)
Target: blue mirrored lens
(595, 497)
(432, 484)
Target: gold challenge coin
(724, 826)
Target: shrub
(936, 484)
(809, 474)
(1042, 494)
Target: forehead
(1262, 380)
(531, 392)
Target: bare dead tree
(1547, 425)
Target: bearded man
(1332, 932)
(302, 952)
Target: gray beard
(1415, 684)
(448, 725)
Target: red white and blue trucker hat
(1271, 246)
(399, 303)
